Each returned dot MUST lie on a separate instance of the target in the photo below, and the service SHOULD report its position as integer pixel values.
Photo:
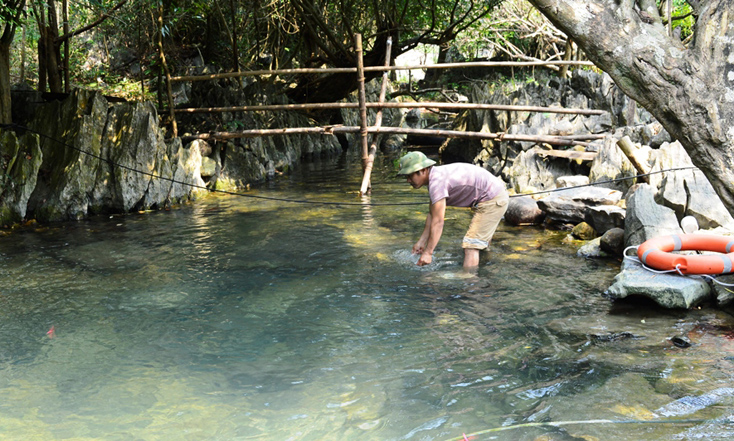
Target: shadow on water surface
(237, 318)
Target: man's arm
(434, 228)
(421, 244)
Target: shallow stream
(237, 318)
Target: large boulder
(667, 290)
(605, 217)
(686, 190)
(612, 241)
(523, 211)
(570, 205)
(645, 218)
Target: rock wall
(83, 155)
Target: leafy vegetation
(113, 44)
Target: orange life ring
(657, 253)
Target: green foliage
(291, 33)
(681, 8)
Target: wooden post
(366, 185)
(630, 150)
(362, 100)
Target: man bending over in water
(456, 185)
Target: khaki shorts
(487, 216)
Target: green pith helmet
(412, 162)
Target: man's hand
(425, 259)
(419, 247)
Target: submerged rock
(584, 231)
(691, 404)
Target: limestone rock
(612, 164)
(523, 211)
(20, 160)
(572, 181)
(584, 231)
(667, 290)
(688, 192)
(101, 158)
(531, 172)
(612, 241)
(724, 291)
(569, 206)
(646, 219)
(605, 217)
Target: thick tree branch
(688, 90)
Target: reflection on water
(236, 318)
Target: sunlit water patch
(237, 318)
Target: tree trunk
(65, 63)
(433, 75)
(688, 89)
(5, 104)
(52, 52)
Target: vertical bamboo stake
(366, 185)
(362, 100)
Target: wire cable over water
(305, 201)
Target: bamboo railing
(364, 129)
(334, 130)
(325, 70)
(392, 105)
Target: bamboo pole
(332, 70)
(333, 130)
(366, 184)
(392, 105)
(362, 101)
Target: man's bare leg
(471, 258)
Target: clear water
(235, 318)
